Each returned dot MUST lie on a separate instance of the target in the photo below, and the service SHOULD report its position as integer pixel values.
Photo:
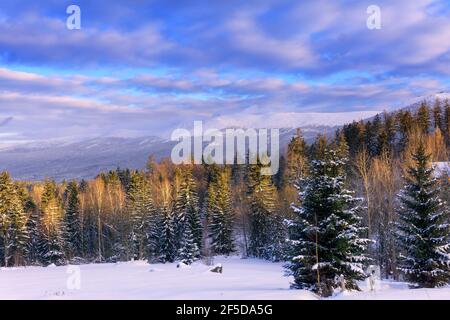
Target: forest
(368, 195)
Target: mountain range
(86, 158)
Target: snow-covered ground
(241, 279)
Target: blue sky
(147, 67)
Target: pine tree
(325, 238)
(423, 229)
(221, 214)
(72, 222)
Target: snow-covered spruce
(51, 243)
(188, 251)
(326, 237)
(71, 224)
(186, 212)
(220, 213)
(140, 206)
(423, 229)
(13, 230)
(267, 234)
(167, 236)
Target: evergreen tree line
(368, 195)
(119, 216)
(391, 132)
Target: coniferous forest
(368, 195)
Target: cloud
(157, 65)
(309, 37)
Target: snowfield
(241, 279)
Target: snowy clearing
(241, 279)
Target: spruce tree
(405, 125)
(221, 215)
(51, 240)
(446, 124)
(189, 250)
(72, 222)
(325, 237)
(140, 207)
(423, 229)
(437, 115)
(13, 231)
(155, 230)
(296, 158)
(262, 196)
(186, 209)
(18, 229)
(423, 118)
(34, 238)
(167, 238)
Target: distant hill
(85, 159)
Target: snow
(393, 290)
(241, 279)
(290, 119)
(441, 168)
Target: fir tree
(423, 229)
(72, 222)
(325, 238)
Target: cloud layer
(151, 66)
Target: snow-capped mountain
(414, 104)
(85, 159)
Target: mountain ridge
(86, 158)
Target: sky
(147, 67)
